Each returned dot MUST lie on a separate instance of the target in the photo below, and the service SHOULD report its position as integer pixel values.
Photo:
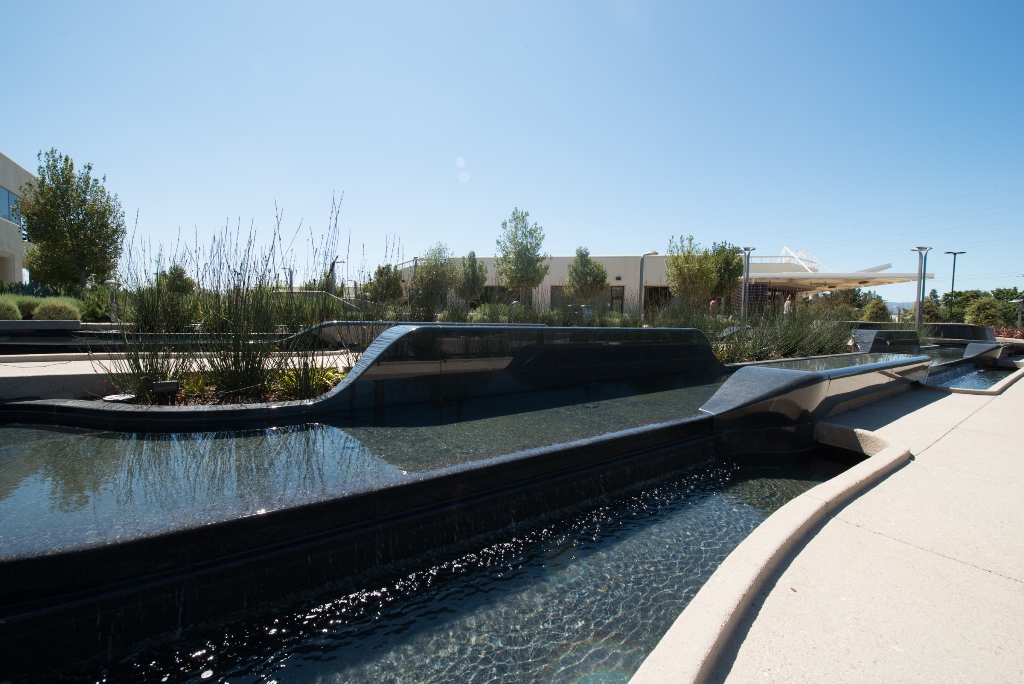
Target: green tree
(472, 278)
(75, 227)
(587, 278)
(876, 310)
(176, 280)
(520, 265)
(1006, 294)
(436, 277)
(989, 311)
(699, 273)
(386, 285)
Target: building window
(616, 296)
(557, 296)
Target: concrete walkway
(921, 578)
(75, 376)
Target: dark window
(6, 201)
(616, 297)
(557, 296)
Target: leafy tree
(587, 278)
(702, 273)
(876, 310)
(176, 280)
(520, 263)
(386, 285)
(436, 277)
(472, 278)
(74, 225)
(987, 311)
(1006, 294)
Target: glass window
(6, 202)
(11, 199)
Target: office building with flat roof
(12, 242)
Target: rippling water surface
(582, 600)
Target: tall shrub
(587, 278)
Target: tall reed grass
(230, 332)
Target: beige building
(798, 273)
(12, 245)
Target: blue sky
(855, 130)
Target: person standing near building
(787, 308)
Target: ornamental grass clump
(218, 320)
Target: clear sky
(856, 130)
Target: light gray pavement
(74, 376)
(57, 376)
(921, 578)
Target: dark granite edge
(130, 417)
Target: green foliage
(385, 287)
(587, 278)
(9, 309)
(74, 225)
(96, 304)
(1007, 294)
(56, 310)
(702, 274)
(876, 310)
(27, 304)
(472, 278)
(437, 274)
(520, 265)
(850, 298)
(308, 377)
(990, 311)
(807, 331)
(176, 280)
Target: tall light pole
(642, 257)
(746, 278)
(952, 286)
(1020, 306)
(334, 277)
(922, 264)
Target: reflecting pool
(62, 488)
(583, 599)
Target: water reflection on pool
(584, 599)
(70, 488)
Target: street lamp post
(952, 286)
(642, 257)
(112, 285)
(334, 277)
(1020, 305)
(746, 279)
(922, 264)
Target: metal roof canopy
(811, 283)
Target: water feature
(969, 377)
(439, 438)
(581, 598)
(70, 488)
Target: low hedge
(9, 310)
(56, 310)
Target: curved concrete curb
(689, 650)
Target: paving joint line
(930, 551)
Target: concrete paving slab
(840, 614)
(966, 518)
(979, 454)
